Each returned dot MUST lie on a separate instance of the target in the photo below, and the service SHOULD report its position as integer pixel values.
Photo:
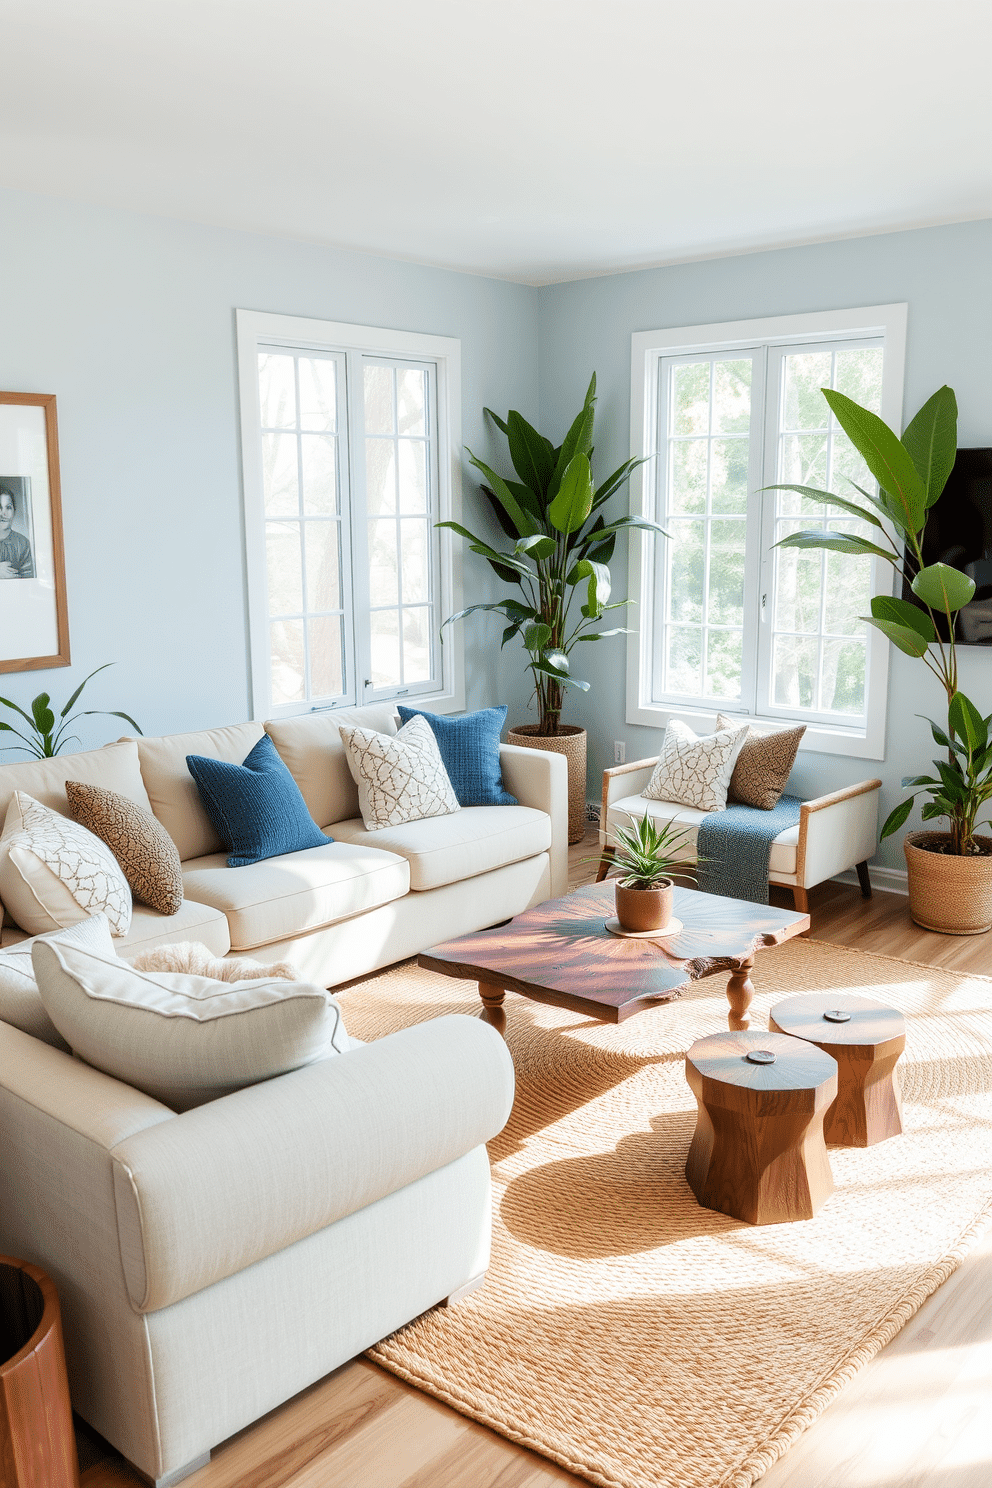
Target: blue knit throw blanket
(734, 847)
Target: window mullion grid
(301, 535)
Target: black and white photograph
(16, 528)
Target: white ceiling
(535, 140)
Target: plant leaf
(966, 721)
(599, 585)
(75, 696)
(537, 546)
(578, 441)
(932, 440)
(886, 457)
(536, 637)
(573, 503)
(44, 718)
(908, 641)
(902, 612)
(529, 453)
(106, 713)
(500, 423)
(600, 635)
(15, 709)
(895, 819)
(943, 588)
(503, 607)
(838, 542)
(828, 498)
(524, 522)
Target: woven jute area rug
(638, 1339)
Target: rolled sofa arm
(222, 1186)
(539, 778)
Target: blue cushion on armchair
(256, 807)
(469, 748)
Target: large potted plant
(558, 565)
(950, 872)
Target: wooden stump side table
(866, 1039)
(37, 1445)
(758, 1152)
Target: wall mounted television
(959, 533)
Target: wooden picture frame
(34, 618)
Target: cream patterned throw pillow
(54, 873)
(695, 772)
(400, 777)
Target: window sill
(819, 738)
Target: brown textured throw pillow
(147, 854)
(763, 765)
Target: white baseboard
(894, 880)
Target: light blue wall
(129, 320)
(945, 276)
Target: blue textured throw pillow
(469, 748)
(256, 807)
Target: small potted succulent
(647, 854)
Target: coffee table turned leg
(740, 995)
(492, 1010)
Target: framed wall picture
(34, 622)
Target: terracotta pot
(37, 1445)
(948, 893)
(646, 909)
(571, 742)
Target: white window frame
(259, 331)
(647, 349)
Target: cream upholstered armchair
(835, 832)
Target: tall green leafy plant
(561, 549)
(911, 473)
(46, 734)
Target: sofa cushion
(302, 891)
(183, 1039)
(400, 778)
(147, 854)
(446, 849)
(20, 1000)
(784, 847)
(54, 873)
(256, 806)
(469, 746)
(171, 790)
(311, 747)
(695, 771)
(764, 764)
(115, 767)
(192, 921)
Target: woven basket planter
(948, 893)
(571, 742)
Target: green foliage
(911, 473)
(561, 547)
(647, 853)
(45, 736)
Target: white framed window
(725, 621)
(351, 445)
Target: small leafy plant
(647, 853)
(47, 736)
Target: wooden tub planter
(37, 1445)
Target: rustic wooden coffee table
(561, 953)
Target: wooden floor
(919, 1416)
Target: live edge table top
(561, 953)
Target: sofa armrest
(620, 781)
(234, 1181)
(836, 831)
(539, 778)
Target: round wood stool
(866, 1039)
(758, 1151)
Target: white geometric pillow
(695, 772)
(400, 777)
(54, 873)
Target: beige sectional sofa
(211, 1264)
(363, 901)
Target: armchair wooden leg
(605, 863)
(864, 880)
(801, 899)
